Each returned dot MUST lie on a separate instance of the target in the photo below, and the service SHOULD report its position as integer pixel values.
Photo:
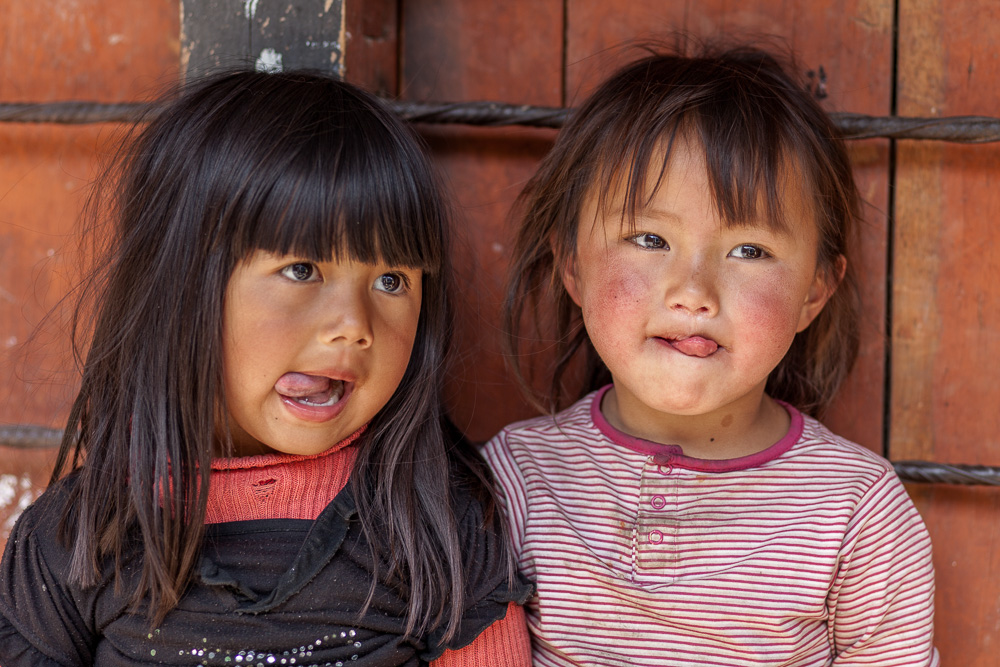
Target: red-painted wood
(945, 316)
(458, 50)
(102, 50)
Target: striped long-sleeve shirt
(807, 553)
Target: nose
(347, 317)
(694, 289)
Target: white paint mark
(320, 45)
(115, 39)
(498, 248)
(11, 342)
(50, 252)
(8, 489)
(7, 296)
(250, 8)
(269, 60)
(19, 493)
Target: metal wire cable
(958, 129)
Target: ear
(570, 280)
(824, 284)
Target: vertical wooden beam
(270, 34)
(371, 45)
(945, 315)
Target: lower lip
(318, 413)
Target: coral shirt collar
(263, 460)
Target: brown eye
(748, 251)
(299, 272)
(649, 241)
(393, 283)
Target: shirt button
(655, 537)
(664, 469)
(658, 502)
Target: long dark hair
(754, 122)
(291, 162)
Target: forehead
(680, 181)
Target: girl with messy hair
(693, 232)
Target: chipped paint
(16, 493)
(250, 8)
(269, 60)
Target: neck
(742, 428)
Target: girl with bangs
(256, 470)
(693, 232)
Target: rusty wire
(958, 129)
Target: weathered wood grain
(457, 50)
(371, 45)
(946, 321)
(99, 50)
(269, 34)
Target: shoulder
(43, 619)
(829, 454)
(40, 523)
(850, 479)
(572, 424)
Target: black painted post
(269, 34)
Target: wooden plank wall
(100, 50)
(928, 273)
(946, 308)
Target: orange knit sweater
(284, 486)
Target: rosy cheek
(768, 317)
(613, 291)
(615, 307)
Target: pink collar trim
(674, 455)
(264, 460)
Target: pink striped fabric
(808, 553)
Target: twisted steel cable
(957, 129)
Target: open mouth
(693, 346)
(314, 391)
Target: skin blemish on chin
(727, 421)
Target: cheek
(769, 316)
(612, 284)
(613, 296)
(397, 338)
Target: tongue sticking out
(694, 346)
(310, 389)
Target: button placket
(654, 553)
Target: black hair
(293, 162)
